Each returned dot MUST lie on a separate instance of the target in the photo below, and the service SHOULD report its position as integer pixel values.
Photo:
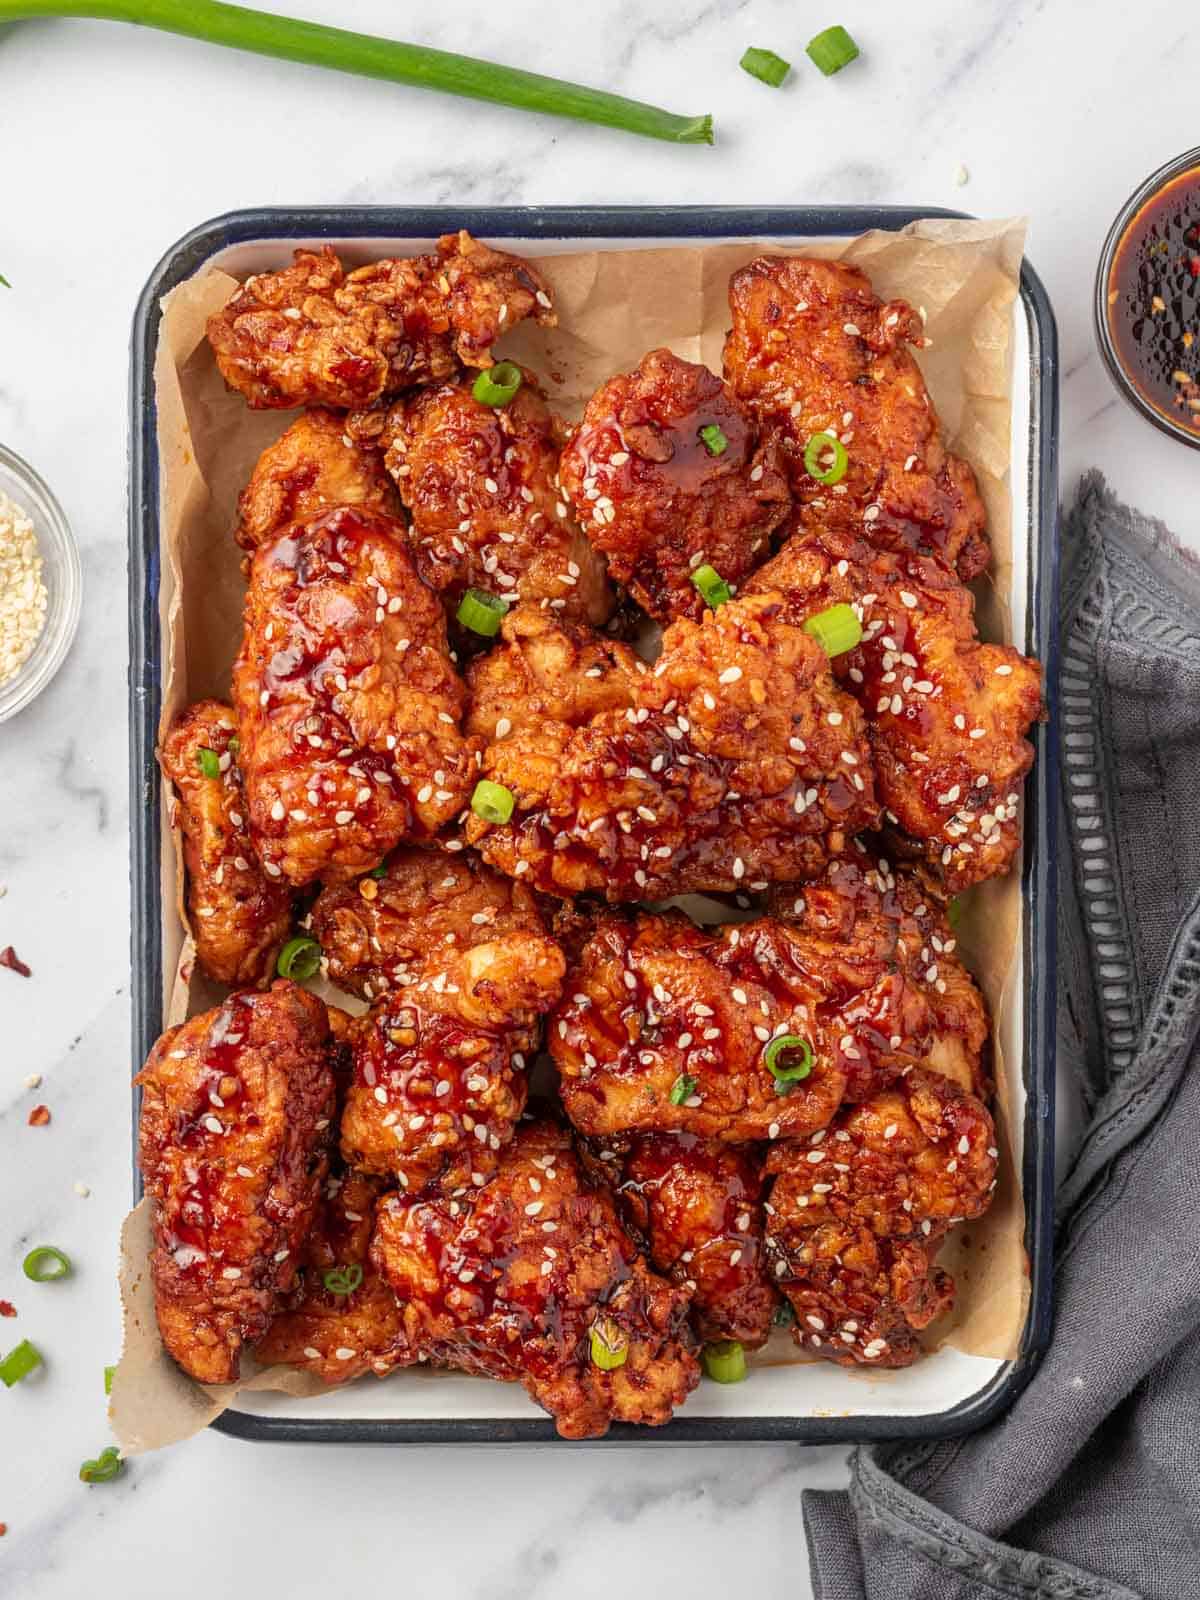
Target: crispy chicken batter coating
(348, 707)
(660, 502)
(508, 1281)
(233, 1146)
(947, 715)
(313, 334)
(739, 764)
(856, 1216)
(239, 916)
(340, 1336)
(698, 1205)
(814, 350)
(480, 483)
(666, 1025)
(439, 1066)
(427, 909)
(313, 466)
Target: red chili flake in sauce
(39, 1116)
(10, 959)
(7, 1309)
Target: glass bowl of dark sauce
(1148, 299)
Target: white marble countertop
(117, 141)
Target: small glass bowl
(1141, 197)
(60, 573)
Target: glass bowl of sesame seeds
(40, 584)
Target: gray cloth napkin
(1090, 1486)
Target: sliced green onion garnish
(712, 586)
(233, 745)
(378, 872)
(342, 1280)
(817, 448)
(492, 801)
(725, 1361)
(45, 1264)
(19, 1363)
(108, 1378)
(713, 439)
(832, 50)
(209, 762)
(954, 911)
(766, 66)
(788, 1071)
(481, 612)
(610, 1348)
(682, 1089)
(103, 1470)
(836, 629)
(299, 959)
(495, 386)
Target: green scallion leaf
(492, 801)
(832, 50)
(682, 1089)
(825, 458)
(209, 763)
(836, 629)
(766, 66)
(105, 1468)
(713, 439)
(725, 1361)
(46, 1264)
(299, 959)
(496, 386)
(712, 586)
(788, 1059)
(482, 612)
(610, 1348)
(342, 1280)
(19, 1363)
(108, 1378)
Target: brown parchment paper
(613, 306)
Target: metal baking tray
(949, 1393)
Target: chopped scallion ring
(209, 763)
(108, 1378)
(19, 1363)
(492, 801)
(103, 1470)
(713, 439)
(610, 1348)
(495, 386)
(725, 1361)
(787, 1072)
(343, 1280)
(766, 66)
(481, 612)
(682, 1089)
(712, 586)
(378, 872)
(45, 1264)
(832, 50)
(836, 629)
(299, 959)
(818, 462)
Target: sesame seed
(730, 675)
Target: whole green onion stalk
(370, 57)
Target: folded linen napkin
(1090, 1486)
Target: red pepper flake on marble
(7, 1309)
(10, 959)
(39, 1116)
(3, 1529)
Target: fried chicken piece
(233, 1146)
(657, 499)
(426, 909)
(313, 466)
(239, 916)
(861, 921)
(698, 1205)
(947, 715)
(439, 1066)
(480, 482)
(814, 350)
(857, 1214)
(348, 707)
(739, 764)
(509, 1282)
(313, 334)
(334, 1334)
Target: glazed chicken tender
(857, 1214)
(480, 484)
(233, 1146)
(239, 916)
(739, 764)
(354, 1324)
(813, 350)
(313, 466)
(348, 707)
(668, 472)
(947, 715)
(313, 334)
(532, 1279)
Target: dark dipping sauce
(1154, 301)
